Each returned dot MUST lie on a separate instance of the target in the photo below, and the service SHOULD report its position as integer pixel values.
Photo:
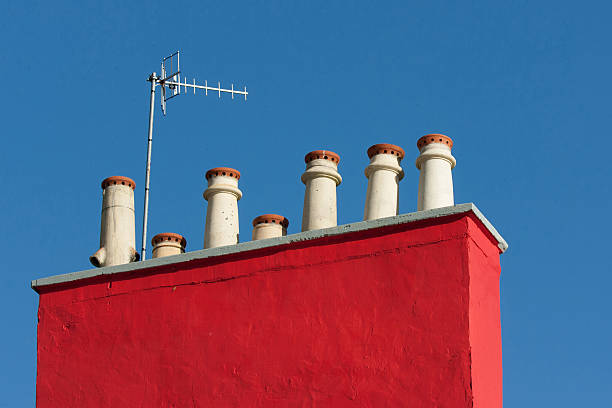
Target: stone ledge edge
(271, 242)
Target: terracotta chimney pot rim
(386, 148)
(169, 236)
(272, 219)
(434, 138)
(114, 180)
(223, 171)
(322, 154)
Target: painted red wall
(397, 316)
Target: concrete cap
(435, 138)
(322, 154)
(223, 171)
(302, 237)
(271, 218)
(169, 236)
(114, 180)
(386, 148)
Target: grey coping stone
(265, 243)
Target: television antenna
(170, 83)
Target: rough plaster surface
(404, 314)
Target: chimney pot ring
(224, 171)
(271, 218)
(118, 179)
(169, 236)
(386, 148)
(322, 154)
(431, 138)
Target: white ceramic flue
(436, 179)
(222, 195)
(117, 227)
(167, 244)
(269, 226)
(321, 179)
(384, 174)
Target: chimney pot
(383, 173)
(269, 226)
(321, 179)
(117, 227)
(435, 164)
(167, 244)
(222, 195)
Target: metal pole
(153, 80)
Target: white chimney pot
(436, 179)
(167, 244)
(222, 195)
(117, 227)
(383, 173)
(321, 179)
(269, 226)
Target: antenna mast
(171, 78)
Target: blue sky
(522, 87)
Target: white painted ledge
(271, 242)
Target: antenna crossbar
(207, 88)
(167, 79)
